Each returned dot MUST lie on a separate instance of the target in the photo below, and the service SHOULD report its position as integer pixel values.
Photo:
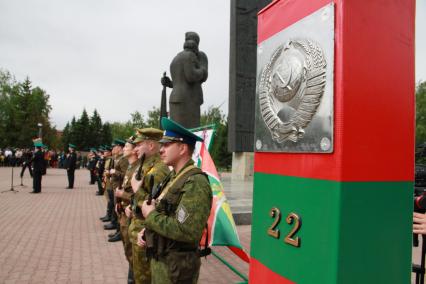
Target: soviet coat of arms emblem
(291, 87)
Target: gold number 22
(274, 232)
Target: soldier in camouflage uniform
(180, 213)
(153, 171)
(108, 193)
(117, 177)
(124, 196)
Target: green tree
(22, 107)
(66, 136)
(153, 118)
(122, 130)
(219, 147)
(106, 134)
(95, 127)
(137, 120)
(82, 132)
(71, 133)
(421, 113)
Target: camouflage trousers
(176, 268)
(141, 265)
(106, 194)
(124, 230)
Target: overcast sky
(110, 55)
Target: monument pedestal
(343, 216)
(242, 166)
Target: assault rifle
(139, 172)
(120, 208)
(151, 186)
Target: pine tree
(106, 134)
(83, 131)
(95, 126)
(66, 136)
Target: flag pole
(221, 259)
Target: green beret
(174, 132)
(38, 144)
(119, 142)
(107, 148)
(71, 146)
(148, 134)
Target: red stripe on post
(294, 11)
(259, 274)
(372, 141)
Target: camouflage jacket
(152, 166)
(120, 167)
(109, 163)
(186, 222)
(127, 186)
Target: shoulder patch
(182, 214)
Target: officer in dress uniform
(38, 164)
(100, 166)
(71, 165)
(179, 215)
(153, 171)
(27, 156)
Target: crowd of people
(157, 200)
(17, 157)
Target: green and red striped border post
(355, 204)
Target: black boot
(130, 278)
(115, 238)
(105, 219)
(113, 234)
(110, 226)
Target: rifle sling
(180, 179)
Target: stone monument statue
(188, 71)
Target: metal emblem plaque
(294, 92)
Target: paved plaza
(56, 236)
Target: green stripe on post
(340, 222)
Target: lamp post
(39, 129)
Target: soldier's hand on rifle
(119, 192)
(112, 171)
(419, 226)
(128, 211)
(140, 240)
(136, 184)
(146, 209)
